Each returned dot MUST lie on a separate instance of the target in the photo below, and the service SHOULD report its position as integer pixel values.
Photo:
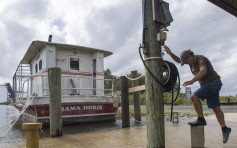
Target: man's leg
(197, 105)
(219, 116)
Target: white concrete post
(197, 136)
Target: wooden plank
(137, 88)
(131, 90)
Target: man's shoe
(226, 134)
(198, 122)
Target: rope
(14, 118)
(150, 58)
(134, 118)
(133, 79)
(148, 68)
(28, 102)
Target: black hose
(172, 106)
(171, 80)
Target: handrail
(22, 92)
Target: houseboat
(82, 83)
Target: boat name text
(87, 107)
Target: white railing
(26, 85)
(22, 73)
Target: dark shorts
(210, 91)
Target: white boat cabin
(82, 68)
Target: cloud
(129, 61)
(116, 25)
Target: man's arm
(173, 56)
(199, 76)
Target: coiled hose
(170, 76)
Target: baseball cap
(184, 55)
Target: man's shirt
(211, 73)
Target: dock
(176, 135)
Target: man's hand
(167, 49)
(199, 76)
(190, 82)
(173, 56)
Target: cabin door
(94, 76)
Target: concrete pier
(197, 136)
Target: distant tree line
(181, 100)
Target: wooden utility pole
(136, 98)
(55, 105)
(154, 91)
(125, 102)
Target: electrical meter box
(161, 13)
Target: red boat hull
(72, 112)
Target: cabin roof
(35, 46)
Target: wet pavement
(177, 135)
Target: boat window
(74, 63)
(40, 64)
(36, 68)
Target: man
(210, 83)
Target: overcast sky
(116, 25)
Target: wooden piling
(154, 91)
(136, 98)
(125, 102)
(54, 79)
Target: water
(111, 134)
(9, 112)
(3, 94)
